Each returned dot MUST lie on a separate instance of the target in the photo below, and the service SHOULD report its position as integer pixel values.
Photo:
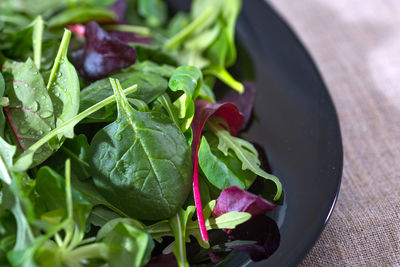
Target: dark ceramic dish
(295, 122)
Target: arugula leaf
(245, 152)
(30, 112)
(63, 86)
(160, 177)
(178, 225)
(82, 14)
(222, 170)
(154, 12)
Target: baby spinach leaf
(222, 170)
(63, 86)
(178, 225)
(90, 192)
(150, 86)
(154, 53)
(100, 215)
(158, 179)
(163, 70)
(82, 14)
(30, 112)
(245, 152)
(154, 12)
(128, 245)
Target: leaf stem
(62, 52)
(140, 30)
(174, 42)
(222, 74)
(37, 41)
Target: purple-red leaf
(235, 199)
(203, 111)
(129, 37)
(261, 229)
(244, 102)
(165, 260)
(119, 8)
(102, 54)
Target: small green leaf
(127, 245)
(154, 12)
(81, 14)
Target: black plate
(297, 125)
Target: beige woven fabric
(356, 46)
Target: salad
(114, 149)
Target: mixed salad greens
(124, 157)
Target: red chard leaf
(261, 229)
(244, 101)
(235, 199)
(102, 54)
(203, 111)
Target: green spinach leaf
(163, 70)
(141, 158)
(63, 87)
(30, 112)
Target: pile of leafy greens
(113, 148)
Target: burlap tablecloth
(356, 46)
